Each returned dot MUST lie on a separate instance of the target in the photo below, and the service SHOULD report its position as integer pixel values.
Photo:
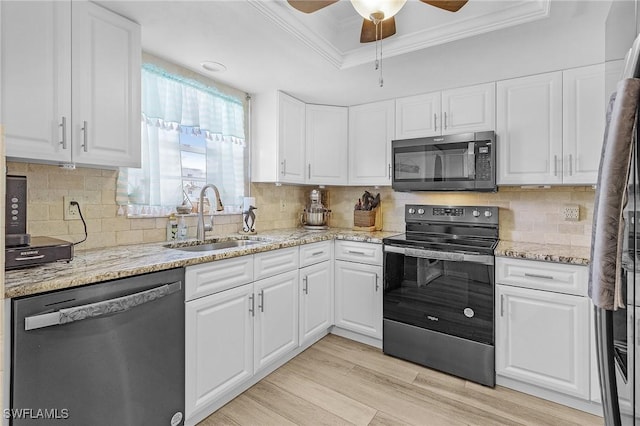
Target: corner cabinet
(316, 291)
(371, 129)
(298, 143)
(466, 109)
(71, 84)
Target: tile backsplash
(529, 215)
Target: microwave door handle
(471, 160)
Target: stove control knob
(420, 211)
(412, 210)
(487, 213)
(475, 213)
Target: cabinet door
(106, 87)
(276, 322)
(291, 135)
(469, 109)
(358, 298)
(326, 144)
(529, 130)
(583, 112)
(418, 116)
(218, 345)
(542, 338)
(371, 128)
(36, 79)
(315, 300)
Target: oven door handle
(441, 255)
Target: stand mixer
(315, 215)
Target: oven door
(451, 293)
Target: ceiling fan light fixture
(370, 9)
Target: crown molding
(278, 12)
(515, 14)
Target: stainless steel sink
(219, 245)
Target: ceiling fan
(375, 12)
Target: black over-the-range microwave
(462, 162)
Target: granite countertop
(93, 266)
(545, 252)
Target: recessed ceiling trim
(520, 13)
(279, 14)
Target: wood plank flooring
(338, 381)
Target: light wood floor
(338, 381)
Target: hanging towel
(605, 286)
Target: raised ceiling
(268, 45)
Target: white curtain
(169, 102)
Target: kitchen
(531, 210)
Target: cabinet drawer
(359, 252)
(557, 277)
(213, 277)
(311, 254)
(270, 263)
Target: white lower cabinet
(316, 297)
(358, 298)
(219, 345)
(276, 318)
(542, 338)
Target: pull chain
(381, 81)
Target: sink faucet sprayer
(202, 227)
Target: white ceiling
(268, 45)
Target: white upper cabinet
(291, 134)
(326, 144)
(418, 116)
(467, 109)
(371, 129)
(583, 113)
(106, 87)
(529, 130)
(550, 126)
(45, 71)
(36, 79)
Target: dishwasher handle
(97, 309)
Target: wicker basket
(364, 218)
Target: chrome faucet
(202, 227)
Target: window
(192, 134)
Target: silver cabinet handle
(284, 167)
(85, 129)
(435, 121)
(252, 309)
(377, 285)
(107, 307)
(502, 305)
(63, 125)
(445, 120)
(361, 253)
(318, 253)
(545, 277)
(261, 300)
(570, 165)
(389, 170)
(309, 167)
(305, 287)
(555, 165)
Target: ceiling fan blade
(368, 32)
(450, 5)
(310, 6)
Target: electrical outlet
(71, 212)
(283, 205)
(571, 212)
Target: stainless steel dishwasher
(104, 354)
